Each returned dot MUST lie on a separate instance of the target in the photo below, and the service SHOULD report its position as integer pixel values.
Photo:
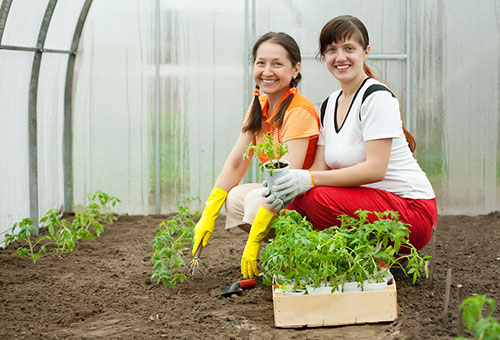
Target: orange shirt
(301, 120)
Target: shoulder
(301, 103)
(372, 88)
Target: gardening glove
(260, 228)
(266, 191)
(294, 183)
(205, 226)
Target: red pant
(322, 205)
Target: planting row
(63, 235)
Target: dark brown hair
(343, 28)
(254, 123)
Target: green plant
(25, 231)
(269, 149)
(61, 236)
(86, 219)
(380, 241)
(171, 244)
(358, 249)
(106, 203)
(482, 328)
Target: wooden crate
(335, 309)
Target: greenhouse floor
(103, 290)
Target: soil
(103, 289)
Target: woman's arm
(319, 163)
(373, 169)
(297, 149)
(235, 166)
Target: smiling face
(273, 70)
(345, 60)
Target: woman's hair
(343, 28)
(254, 123)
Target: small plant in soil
(105, 204)
(482, 327)
(269, 149)
(171, 245)
(23, 231)
(62, 235)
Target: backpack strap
(323, 109)
(370, 90)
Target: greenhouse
(121, 115)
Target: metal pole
(157, 104)
(32, 113)
(33, 49)
(409, 59)
(68, 112)
(253, 38)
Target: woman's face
(345, 59)
(273, 70)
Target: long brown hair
(254, 123)
(343, 28)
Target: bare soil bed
(103, 290)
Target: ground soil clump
(103, 289)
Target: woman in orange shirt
(290, 118)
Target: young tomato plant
(25, 232)
(86, 219)
(171, 244)
(106, 203)
(61, 236)
(355, 250)
(268, 148)
(482, 327)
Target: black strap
(369, 91)
(323, 109)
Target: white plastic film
(15, 70)
(23, 23)
(50, 119)
(63, 23)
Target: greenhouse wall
(160, 89)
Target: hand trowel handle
(249, 283)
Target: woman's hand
(288, 186)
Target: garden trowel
(235, 288)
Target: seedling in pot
(269, 149)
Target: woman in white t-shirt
(364, 157)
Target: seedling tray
(293, 311)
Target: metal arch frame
(4, 13)
(68, 112)
(32, 112)
(38, 51)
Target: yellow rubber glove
(260, 228)
(205, 226)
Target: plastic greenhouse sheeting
(14, 179)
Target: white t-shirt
(377, 118)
